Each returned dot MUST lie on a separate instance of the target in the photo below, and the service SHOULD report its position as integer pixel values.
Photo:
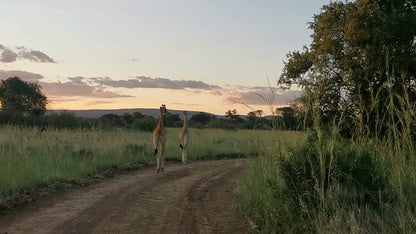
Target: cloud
(8, 55)
(76, 80)
(77, 87)
(35, 56)
(215, 92)
(97, 87)
(262, 96)
(74, 87)
(183, 104)
(249, 95)
(26, 76)
(148, 82)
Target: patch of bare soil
(192, 198)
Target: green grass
(216, 143)
(331, 185)
(30, 160)
(260, 197)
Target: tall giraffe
(159, 140)
(184, 138)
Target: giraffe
(159, 140)
(184, 138)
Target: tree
(19, 96)
(259, 113)
(289, 118)
(252, 118)
(127, 119)
(171, 120)
(110, 120)
(233, 115)
(147, 123)
(361, 53)
(201, 119)
(64, 120)
(138, 115)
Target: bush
(327, 185)
(147, 124)
(66, 120)
(350, 173)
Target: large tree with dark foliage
(19, 96)
(202, 118)
(233, 115)
(289, 118)
(362, 56)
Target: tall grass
(328, 184)
(217, 143)
(30, 159)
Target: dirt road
(194, 198)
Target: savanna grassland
(32, 160)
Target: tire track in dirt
(114, 204)
(192, 198)
(209, 205)
(189, 222)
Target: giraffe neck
(160, 123)
(184, 121)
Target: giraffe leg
(183, 155)
(158, 163)
(162, 160)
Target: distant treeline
(287, 120)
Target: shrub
(147, 124)
(327, 185)
(350, 173)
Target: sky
(197, 55)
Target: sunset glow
(207, 56)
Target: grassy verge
(31, 160)
(326, 184)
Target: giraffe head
(163, 109)
(185, 114)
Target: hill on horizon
(96, 113)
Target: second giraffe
(184, 138)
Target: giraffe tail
(155, 144)
(180, 145)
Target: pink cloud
(77, 87)
(262, 96)
(148, 82)
(26, 76)
(8, 55)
